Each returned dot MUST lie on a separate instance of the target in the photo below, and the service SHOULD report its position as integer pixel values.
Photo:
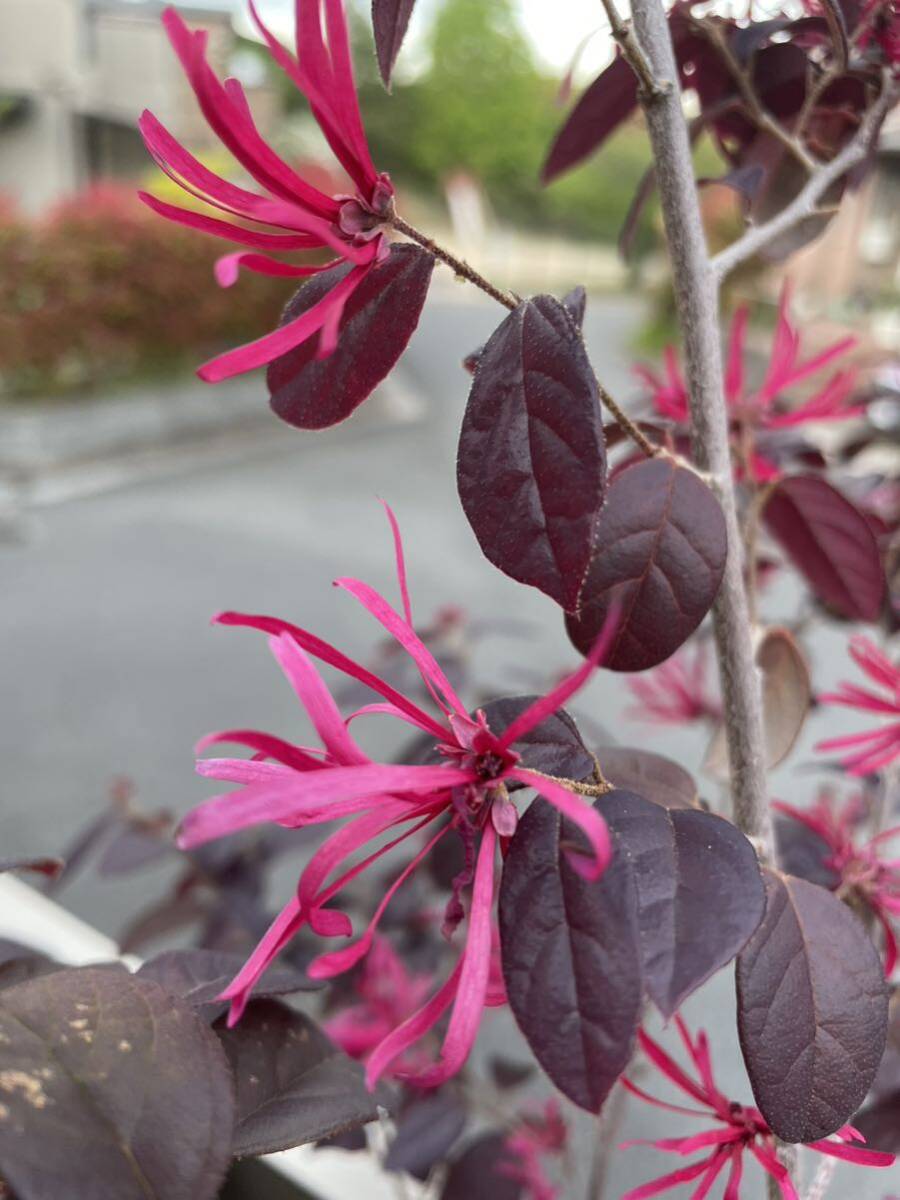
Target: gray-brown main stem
(697, 299)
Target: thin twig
(457, 265)
(608, 1124)
(623, 33)
(626, 424)
(601, 788)
(806, 202)
(821, 1183)
(511, 301)
(758, 114)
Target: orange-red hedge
(102, 289)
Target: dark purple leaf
(879, 1123)
(700, 893)
(830, 543)
(51, 867)
(571, 957)
(812, 1010)
(600, 110)
(170, 915)
(507, 1073)
(532, 462)
(10, 950)
(24, 965)
(786, 697)
(83, 844)
(379, 319)
(659, 553)
(745, 180)
(426, 1131)
(111, 1088)
(199, 976)
(651, 775)
(390, 19)
(575, 304)
(471, 361)
(554, 747)
(478, 1173)
(746, 40)
(134, 847)
(803, 853)
(293, 1084)
(350, 1139)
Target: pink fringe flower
(351, 225)
(542, 1134)
(761, 408)
(739, 1130)
(859, 865)
(874, 749)
(676, 692)
(297, 786)
(387, 994)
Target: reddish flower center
(360, 219)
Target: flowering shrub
(515, 862)
(100, 291)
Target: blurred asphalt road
(109, 664)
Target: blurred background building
(75, 76)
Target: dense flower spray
(763, 408)
(874, 749)
(351, 225)
(739, 1130)
(462, 792)
(677, 692)
(859, 864)
(541, 1134)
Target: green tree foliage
(485, 107)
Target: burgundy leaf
(508, 1073)
(812, 1010)
(653, 776)
(830, 543)
(554, 747)
(700, 893)
(571, 957)
(879, 1123)
(532, 461)
(10, 950)
(786, 697)
(478, 1173)
(787, 691)
(659, 552)
(390, 19)
(378, 321)
(199, 976)
(19, 963)
(575, 304)
(170, 915)
(293, 1085)
(426, 1131)
(83, 845)
(134, 847)
(111, 1088)
(600, 110)
(746, 40)
(51, 867)
(803, 853)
